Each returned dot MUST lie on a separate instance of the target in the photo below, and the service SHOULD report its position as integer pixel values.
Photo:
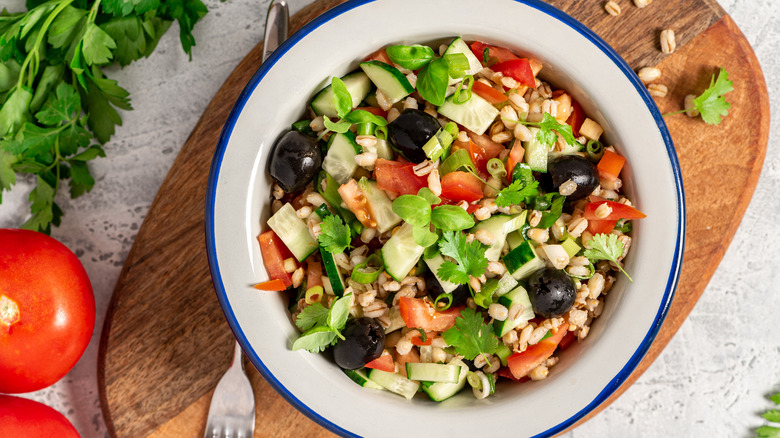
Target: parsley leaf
(516, 192)
(775, 398)
(311, 316)
(773, 415)
(335, 236)
(470, 336)
(549, 126)
(606, 247)
(470, 258)
(711, 104)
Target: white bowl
(575, 59)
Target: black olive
(575, 168)
(409, 132)
(551, 292)
(295, 160)
(459, 295)
(364, 339)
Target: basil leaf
(340, 127)
(339, 312)
(433, 80)
(413, 209)
(315, 340)
(411, 57)
(423, 236)
(342, 97)
(451, 218)
(363, 116)
(428, 195)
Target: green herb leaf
(335, 236)
(339, 312)
(343, 99)
(470, 258)
(7, 174)
(64, 29)
(15, 110)
(413, 209)
(62, 107)
(549, 126)
(410, 57)
(451, 218)
(423, 236)
(340, 127)
(549, 217)
(471, 336)
(43, 207)
(433, 80)
(517, 192)
(768, 432)
(773, 415)
(711, 104)
(315, 340)
(428, 195)
(606, 247)
(97, 45)
(775, 398)
(363, 116)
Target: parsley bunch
(57, 107)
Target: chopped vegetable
(471, 336)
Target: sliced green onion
(314, 294)
(591, 269)
(452, 129)
(457, 160)
(380, 133)
(433, 148)
(546, 335)
(302, 126)
(595, 150)
(322, 211)
(503, 352)
(442, 307)
(496, 168)
(423, 335)
(366, 128)
(368, 271)
(462, 95)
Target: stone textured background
(712, 379)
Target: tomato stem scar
(9, 313)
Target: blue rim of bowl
(561, 16)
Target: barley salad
(443, 218)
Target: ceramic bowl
(575, 59)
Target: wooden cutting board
(165, 342)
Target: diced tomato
(610, 165)
(271, 285)
(567, 340)
(482, 149)
(383, 363)
(373, 110)
(518, 69)
(488, 93)
(398, 177)
(461, 186)
(499, 53)
(506, 373)
(379, 55)
(619, 211)
(576, 118)
(416, 313)
(597, 226)
(411, 357)
(274, 253)
(520, 364)
(313, 273)
(515, 156)
(353, 196)
(417, 339)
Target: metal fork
(232, 410)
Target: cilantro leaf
(711, 104)
(335, 235)
(516, 192)
(187, 13)
(470, 258)
(470, 336)
(549, 126)
(315, 340)
(81, 180)
(313, 315)
(606, 247)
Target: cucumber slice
(339, 162)
(476, 114)
(293, 232)
(571, 247)
(441, 391)
(523, 261)
(395, 383)
(433, 372)
(536, 152)
(505, 284)
(332, 271)
(383, 149)
(514, 239)
(388, 79)
(359, 376)
(499, 226)
(459, 46)
(357, 84)
(379, 205)
(517, 296)
(396, 321)
(434, 263)
(400, 253)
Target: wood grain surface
(165, 342)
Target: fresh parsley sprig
(470, 258)
(772, 415)
(606, 247)
(470, 336)
(322, 327)
(335, 236)
(548, 128)
(517, 192)
(711, 104)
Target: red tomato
(373, 110)
(353, 196)
(398, 177)
(383, 363)
(313, 273)
(379, 55)
(411, 357)
(275, 285)
(47, 310)
(576, 118)
(416, 313)
(515, 156)
(567, 340)
(499, 53)
(461, 186)
(417, 339)
(610, 165)
(619, 211)
(520, 364)
(597, 226)
(482, 149)
(20, 417)
(519, 69)
(504, 372)
(488, 93)
(274, 253)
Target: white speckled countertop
(711, 380)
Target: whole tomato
(47, 310)
(20, 417)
